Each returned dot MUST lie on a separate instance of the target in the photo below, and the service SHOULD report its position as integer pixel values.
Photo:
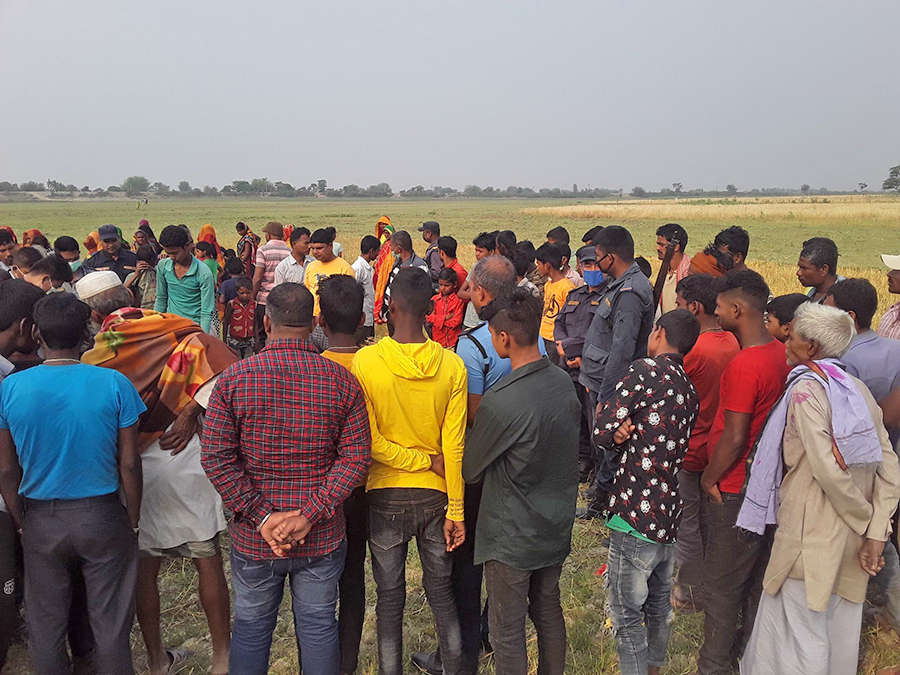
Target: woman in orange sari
(28, 237)
(92, 243)
(385, 262)
(208, 234)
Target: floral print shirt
(663, 405)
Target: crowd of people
(739, 447)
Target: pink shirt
(890, 323)
(268, 256)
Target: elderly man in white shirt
(293, 268)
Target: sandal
(178, 656)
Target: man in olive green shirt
(524, 446)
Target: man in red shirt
(447, 251)
(736, 560)
(704, 365)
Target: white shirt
(289, 270)
(365, 276)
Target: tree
(241, 186)
(184, 186)
(135, 185)
(575, 188)
(86, 188)
(863, 186)
(31, 186)
(321, 186)
(71, 188)
(731, 189)
(805, 188)
(210, 191)
(892, 182)
(160, 188)
(677, 188)
(6, 186)
(260, 185)
(638, 191)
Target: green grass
(591, 648)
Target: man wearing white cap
(890, 322)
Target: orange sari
(384, 264)
(208, 234)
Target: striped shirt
(268, 256)
(890, 323)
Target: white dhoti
(790, 639)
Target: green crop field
(863, 227)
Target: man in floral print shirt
(648, 424)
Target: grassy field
(863, 228)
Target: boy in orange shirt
(446, 317)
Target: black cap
(431, 226)
(587, 253)
(108, 232)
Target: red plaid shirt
(286, 429)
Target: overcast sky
(541, 94)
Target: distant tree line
(137, 186)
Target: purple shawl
(852, 429)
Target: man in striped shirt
(268, 257)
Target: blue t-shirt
(497, 368)
(228, 289)
(65, 421)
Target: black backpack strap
(485, 366)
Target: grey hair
(830, 327)
(496, 275)
(108, 301)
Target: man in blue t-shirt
(491, 277)
(60, 476)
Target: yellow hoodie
(416, 395)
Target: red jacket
(446, 319)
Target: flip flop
(178, 656)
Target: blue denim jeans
(640, 581)
(258, 589)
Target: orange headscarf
(385, 262)
(706, 263)
(288, 231)
(28, 237)
(208, 234)
(92, 243)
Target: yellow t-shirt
(316, 271)
(343, 358)
(555, 294)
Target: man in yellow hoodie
(416, 394)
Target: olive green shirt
(524, 446)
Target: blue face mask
(75, 264)
(593, 278)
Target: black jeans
(396, 515)
(513, 594)
(732, 584)
(586, 455)
(92, 535)
(352, 585)
(8, 613)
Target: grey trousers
(693, 531)
(92, 535)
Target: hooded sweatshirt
(416, 396)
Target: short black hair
(517, 314)
(341, 303)
(674, 232)
(644, 266)
(821, 251)
(724, 261)
(290, 305)
(234, 266)
(506, 239)
(368, 243)
(403, 240)
(448, 274)
(67, 244)
(297, 233)
(559, 235)
(749, 285)
(784, 306)
(590, 234)
(208, 249)
(26, 257)
(616, 240)
(858, 296)
(243, 282)
(17, 299)
(527, 248)
(520, 261)
(549, 254)
(5, 238)
(56, 267)
(566, 251)
(174, 236)
(322, 236)
(62, 320)
(702, 288)
(682, 329)
(411, 291)
(735, 238)
(485, 240)
(448, 246)
(40, 240)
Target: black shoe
(587, 513)
(428, 663)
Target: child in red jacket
(446, 318)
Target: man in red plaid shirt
(287, 435)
